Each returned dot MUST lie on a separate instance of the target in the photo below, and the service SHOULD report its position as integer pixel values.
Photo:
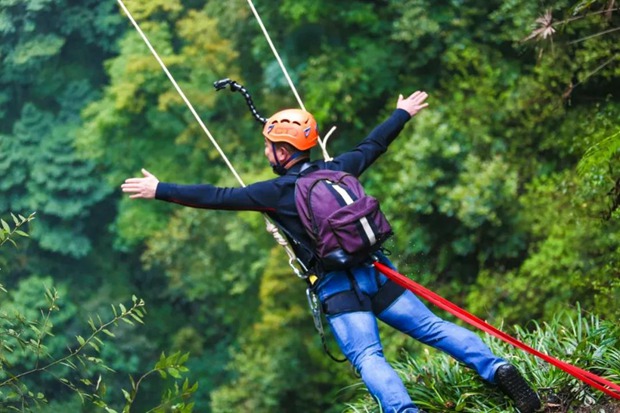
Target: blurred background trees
(503, 194)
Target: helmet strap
(278, 167)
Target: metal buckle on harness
(315, 309)
(303, 275)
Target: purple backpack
(344, 223)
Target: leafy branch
(172, 365)
(74, 357)
(7, 234)
(598, 155)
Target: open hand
(141, 187)
(414, 103)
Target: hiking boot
(514, 385)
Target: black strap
(354, 300)
(346, 302)
(310, 259)
(387, 294)
(331, 356)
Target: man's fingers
(140, 187)
(418, 96)
(132, 187)
(414, 94)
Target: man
(352, 299)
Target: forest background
(503, 194)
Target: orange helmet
(294, 126)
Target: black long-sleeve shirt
(276, 197)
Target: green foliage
(36, 363)
(44, 173)
(174, 398)
(566, 260)
(601, 153)
(439, 384)
(282, 372)
(49, 51)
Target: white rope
(275, 52)
(322, 142)
(270, 226)
(178, 88)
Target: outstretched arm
(260, 196)
(376, 143)
(144, 187)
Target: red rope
(593, 380)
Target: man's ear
(282, 153)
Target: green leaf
(108, 332)
(94, 345)
(69, 364)
(135, 317)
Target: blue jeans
(357, 335)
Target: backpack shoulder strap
(307, 168)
